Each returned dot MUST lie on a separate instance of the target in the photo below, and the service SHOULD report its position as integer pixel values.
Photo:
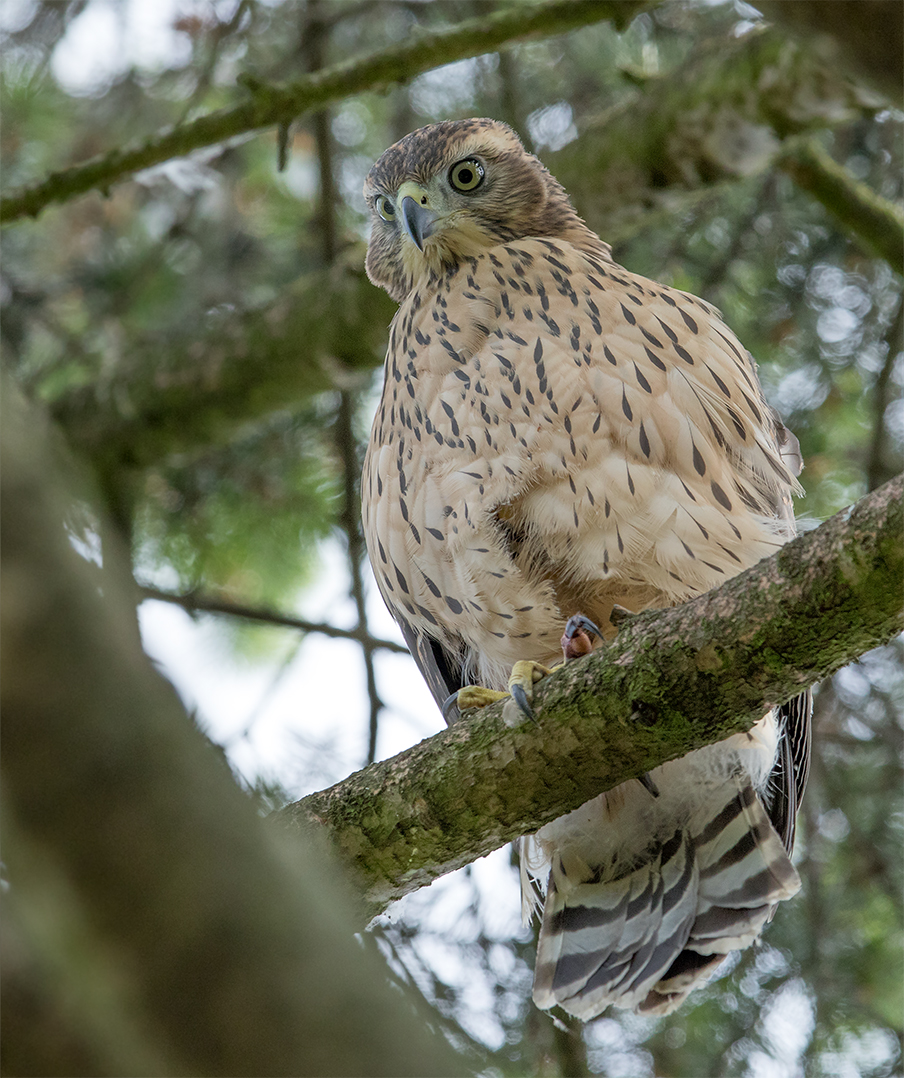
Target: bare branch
(278, 105)
(881, 453)
(672, 681)
(206, 604)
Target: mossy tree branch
(672, 681)
(875, 221)
(271, 106)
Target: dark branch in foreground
(205, 604)
(136, 861)
(674, 680)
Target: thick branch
(875, 221)
(141, 873)
(672, 681)
(279, 105)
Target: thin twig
(313, 48)
(203, 604)
(350, 520)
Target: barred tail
(645, 938)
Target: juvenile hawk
(558, 435)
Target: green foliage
(125, 278)
(245, 520)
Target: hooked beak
(417, 220)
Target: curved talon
(578, 622)
(520, 698)
(450, 704)
(469, 697)
(648, 784)
(577, 639)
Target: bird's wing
(439, 667)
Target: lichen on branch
(672, 681)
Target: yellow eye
(466, 175)
(385, 208)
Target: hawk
(556, 437)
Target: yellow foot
(477, 696)
(524, 676)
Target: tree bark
(672, 681)
(159, 915)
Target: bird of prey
(558, 436)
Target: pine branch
(672, 681)
(177, 395)
(278, 105)
(724, 114)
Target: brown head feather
(518, 198)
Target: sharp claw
(579, 623)
(577, 638)
(520, 698)
(450, 707)
(648, 784)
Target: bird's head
(451, 191)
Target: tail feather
(607, 942)
(647, 936)
(744, 872)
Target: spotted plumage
(557, 434)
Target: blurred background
(206, 338)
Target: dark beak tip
(417, 220)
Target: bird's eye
(466, 175)
(385, 208)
